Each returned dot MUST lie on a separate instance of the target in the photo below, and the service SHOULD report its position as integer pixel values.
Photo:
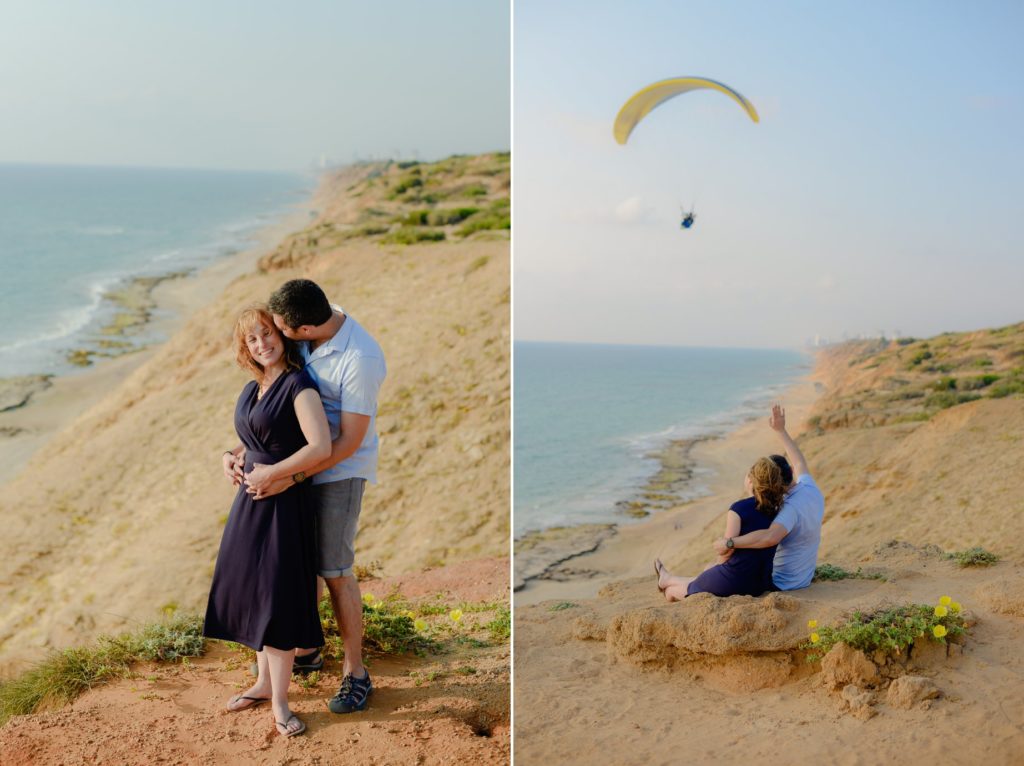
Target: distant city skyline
(880, 189)
(252, 85)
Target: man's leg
(348, 609)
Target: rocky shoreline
(545, 554)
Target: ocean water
(70, 234)
(586, 418)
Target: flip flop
(658, 566)
(249, 702)
(283, 726)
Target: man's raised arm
(777, 421)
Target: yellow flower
(410, 614)
(945, 601)
(815, 638)
(368, 599)
(812, 624)
(941, 611)
(955, 607)
(939, 631)
(455, 614)
(420, 625)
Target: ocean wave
(70, 321)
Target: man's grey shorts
(337, 506)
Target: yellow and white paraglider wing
(646, 99)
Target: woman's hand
(260, 478)
(276, 487)
(232, 466)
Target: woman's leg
(666, 579)
(279, 663)
(677, 590)
(258, 691)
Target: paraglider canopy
(646, 99)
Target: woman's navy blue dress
(264, 584)
(748, 572)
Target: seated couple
(771, 538)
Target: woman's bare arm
(310, 412)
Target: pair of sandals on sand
(242, 702)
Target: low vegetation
(973, 557)
(391, 625)
(65, 674)
(831, 573)
(889, 630)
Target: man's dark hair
(785, 467)
(300, 302)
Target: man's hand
(259, 477)
(233, 465)
(777, 421)
(273, 488)
(721, 549)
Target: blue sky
(880, 191)
(251, 85)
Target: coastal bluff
(918, 445)
(117, 519)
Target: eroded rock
(845, 665)
(907, 692)
(858, 702)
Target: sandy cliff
(120, 514)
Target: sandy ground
(439, 709)
(636, 680)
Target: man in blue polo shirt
(348, 367)
(796, 528)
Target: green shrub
(945, 384)
(981, 381)
(474, 190)
(890, 630)
(905, 341)
(1006, 388)
(900, 396)
(408, 235)
(67, 673)
(973, 557)
(919, 357)
(414, 218)
(911, 417)
(485, 222)
(831, 573)
(500, 627)
(452, 216)
(946, 399)
(982, 362)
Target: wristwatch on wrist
(730, 544)
(299, 477)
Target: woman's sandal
(249, 702)
(658, 567)
(282, 727)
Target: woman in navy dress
(263, 593)
(746, 571)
